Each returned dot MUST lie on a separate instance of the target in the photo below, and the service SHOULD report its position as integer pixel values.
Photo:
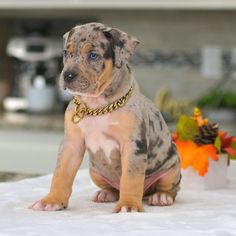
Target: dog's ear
(65, 37)
(123, 45)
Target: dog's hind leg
(107, 192)
(164, 191)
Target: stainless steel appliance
(35, 57)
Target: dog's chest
(97, 140)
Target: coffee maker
(36, 67)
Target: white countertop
(121, 4)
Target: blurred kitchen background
(187, 56)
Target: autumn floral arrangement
(197, 140)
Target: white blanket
(194, 213)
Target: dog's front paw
(128, 207)
(49, 203)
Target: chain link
(81, 110)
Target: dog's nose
(69, 75)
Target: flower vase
(215, 178)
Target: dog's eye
(92, 56)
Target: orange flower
(196, 156)
(198, 117)
(174, 136)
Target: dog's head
(91, 52)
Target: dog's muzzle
(83, 84)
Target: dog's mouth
(93, 93)
(82, 88)
(81, 85)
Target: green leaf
(233, 146)
(217, 144)
(187, 128)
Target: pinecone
(207, 134)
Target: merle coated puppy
(130, 148)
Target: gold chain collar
(81, 110)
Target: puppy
(130, 148)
